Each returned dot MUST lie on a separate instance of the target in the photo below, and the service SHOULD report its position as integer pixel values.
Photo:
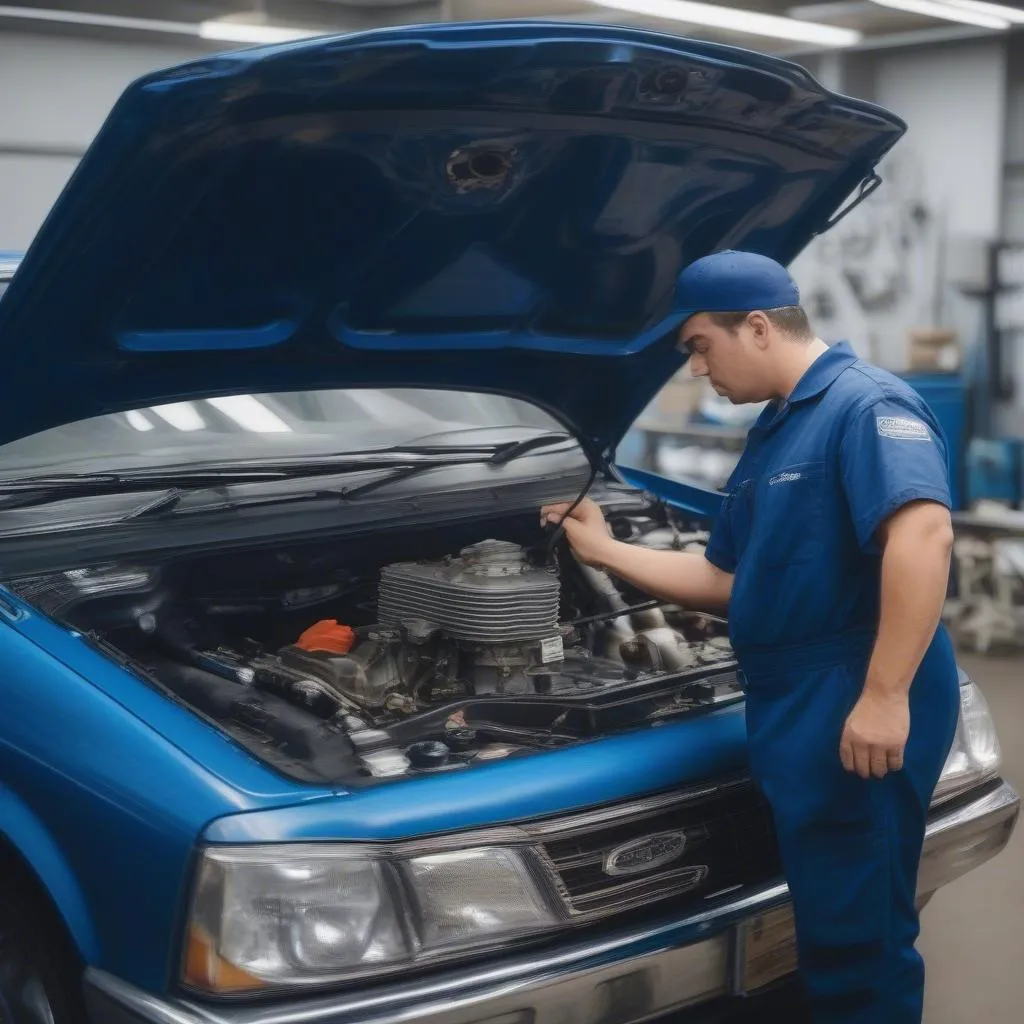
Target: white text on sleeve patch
(902, 428)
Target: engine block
(488, 594)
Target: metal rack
(653, 431)
(988, 554)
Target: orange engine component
(327, 635)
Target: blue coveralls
(819, 474)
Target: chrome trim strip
(613, 814)
(630, 895)
(1001, 801)
(961, 839)
(527, 833)
(658, 965)
(531, 837)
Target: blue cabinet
(946, 396)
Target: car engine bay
(367, 658)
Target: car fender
(687, 497)
(29, 838)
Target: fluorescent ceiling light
(736, 20)
(250, 414)
(226, 31)
(219, 29)
(947, 12)
(1014, 15)
(137, 420)
(182, 415)
(99, 20)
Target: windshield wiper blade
(161, 503)
(401, 461)
(39, 489)
(170, 499)
(111, 483)
(503, 451)
(500, 452)
(493, 455)
(513, 449)
(30, 491)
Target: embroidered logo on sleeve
(902, 428)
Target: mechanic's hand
(586, 530)
(875, 734)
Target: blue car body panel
(686, 497)
(107, 786)
(601, 771)
(108, 802)
(102, 809)
(490, 207)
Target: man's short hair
(789, 320)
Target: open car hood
(499, 207)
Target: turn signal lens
(205, 970)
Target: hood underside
(502, 207)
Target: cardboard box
(933, 349)
(677, 400)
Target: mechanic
(831, 552)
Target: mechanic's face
(736, 362)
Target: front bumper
(625, 977)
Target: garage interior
(925, 279)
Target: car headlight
(273, 916)
(975, 756)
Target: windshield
(248, 427)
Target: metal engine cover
(489, 594)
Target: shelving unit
(707, 435)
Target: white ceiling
(878, 25)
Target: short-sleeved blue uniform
(820, 473)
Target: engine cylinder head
(489, 594)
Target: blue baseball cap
(733, 282)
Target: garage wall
(1010, 413)
(892, 264)
(1013, 200)
(953, 98)
(56, 92)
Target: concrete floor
(973, 931)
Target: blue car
(306, 719)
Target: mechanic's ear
(759, 327)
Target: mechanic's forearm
(915, 574)
(683, 578)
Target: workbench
(987, 607)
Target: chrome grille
(728, 842)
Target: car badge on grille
(645, 854)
